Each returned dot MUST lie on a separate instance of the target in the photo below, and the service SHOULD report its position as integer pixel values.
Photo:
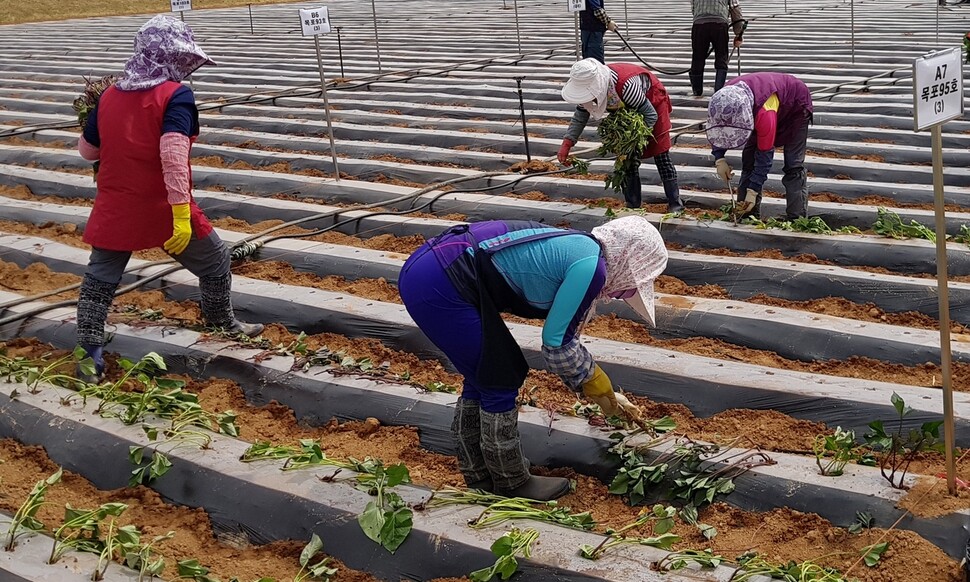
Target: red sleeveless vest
(657, 95)
(131, 210)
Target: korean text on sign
(937, 88)
(181, 5)
(315, 21)
(576, 5)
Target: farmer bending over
(596, 89)
(142, 131)
(456, 286)
(759, 112)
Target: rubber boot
(632, 191)
(217, 306)
(502, 450)
(697, 85)
(720, 76)
(673, 196)
(467, 430)
(94, 300)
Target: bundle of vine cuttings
(624, 135)
(88, 100)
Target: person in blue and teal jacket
(456, 286)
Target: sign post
(852, 27)
(938, 98)
(377, 38)
(518, 35)
(314, 22)
(181, 6)
(577, 6)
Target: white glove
(750, 199)
(724, 169)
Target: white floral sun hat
(635, 257)
(730, 116)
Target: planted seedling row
(659, 529)
(267, 313)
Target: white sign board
(576, 5)
(315, 21)
(181, 5)
(937, 88)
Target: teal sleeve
(569, 299)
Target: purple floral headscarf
(730, 116)
(165, 50)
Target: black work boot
(509, 469)
(720, 76)
(217, 306)
(632, 190)
(697, 85)
(672, 191)
(94, 300)
(467, 430)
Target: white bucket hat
(730, 116)
(589, 81)
(635, 257)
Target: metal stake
(579, 48)
(377, 40)
(326, 105)
(340, 51)
(944, 296)
(852, 26)
(626, 19)
(251, 30)
(937, 24)
(518, 37)
(525, 130)
(182, 15)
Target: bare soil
(400, 246)
(877, 200)
(24, 465)
(782, 534)
(610, 327)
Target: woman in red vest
(142, 131)
(596, 89)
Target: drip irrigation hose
(744, 26)
(248, 241)
(252, 243)
(309, 90)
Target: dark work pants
(593, 44)
(795, 179)
(702, 36)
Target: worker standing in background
(710, 28)
(759, 112)
(457, 285)
(142, 132)
(596, 89)
(593, 24)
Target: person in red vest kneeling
(141, 132)
(595, 89)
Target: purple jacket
(793, 95)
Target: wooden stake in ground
(938, 98)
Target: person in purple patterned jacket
(759, 112)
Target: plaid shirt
(572, 362)
(716, 11)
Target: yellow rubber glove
(599, 389)
(181, 229)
